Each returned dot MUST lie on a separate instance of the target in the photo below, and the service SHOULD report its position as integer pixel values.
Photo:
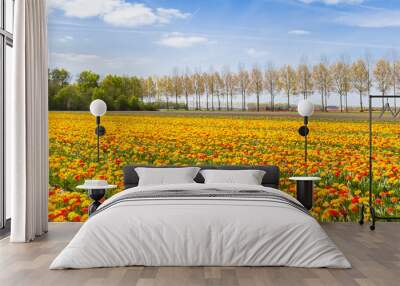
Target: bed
(197, 224)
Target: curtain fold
(27, 122)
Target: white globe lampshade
(98, 107)
(305, 108)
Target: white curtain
(26, 123)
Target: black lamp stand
(303, 131)
(100, 131)
(97, 194)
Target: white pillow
(248, 177)
(166, 176)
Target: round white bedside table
(304, 190)
(96, 190)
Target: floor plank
(375, 257)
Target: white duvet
(202, 232)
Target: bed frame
(270, 179)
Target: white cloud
(371, 19)
(85, 8)
(168, 14)
(65, 39)
(333, 2)
(299, 32)
(117, 12)
(178, 40)
(131, 15)
(54, 4)
(93, 58)
(251, 52)
(74, 57)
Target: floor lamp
(96, 192)
(305, 184)
(98, 108)
(305, 108)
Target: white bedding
(202, 232)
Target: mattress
(201, 225)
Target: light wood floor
(375, 257)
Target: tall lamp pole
(305, 108)
(305, 184)
(98, 108)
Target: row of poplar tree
(218, 90)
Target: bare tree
(187, 85)
(339, 74)
(168, 88)
(205, 77)
(149, 85)
(323, 82)
(395, 76)
(368, 61)
(198, 88)
(244, 83)
(304, 80)
(256, 85)
(360, 79)
(158, 89)
(161, 87)
(211, 87)
(229, 84)
(383, 77)
(176, 86)
(271, 79)
(347, 80)
(234, 87)
(287, 82)
(219, 86)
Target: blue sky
(152, 37)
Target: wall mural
(184, 91)
(338, 153)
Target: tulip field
(338, 153)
